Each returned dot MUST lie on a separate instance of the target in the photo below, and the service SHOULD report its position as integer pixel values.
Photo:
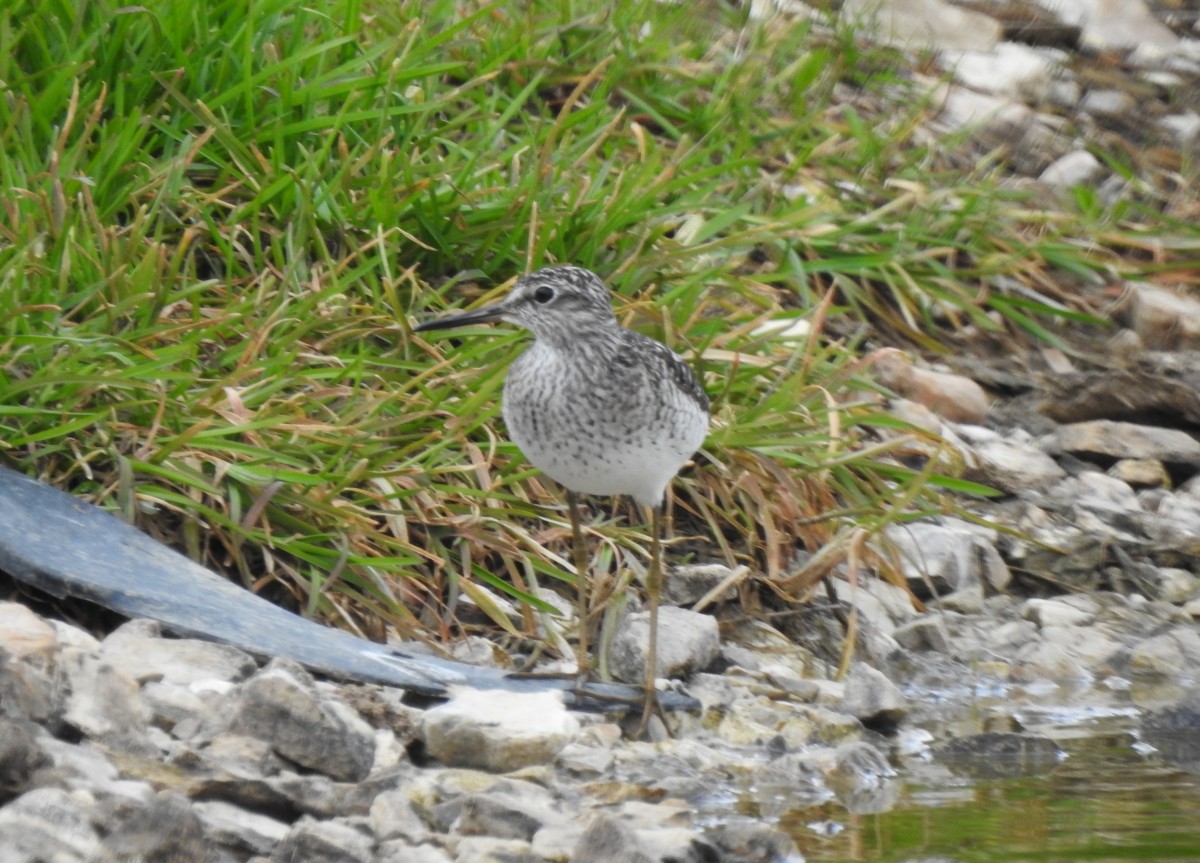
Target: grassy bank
(220, 219)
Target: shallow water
(1111, 798)
(1105, 802)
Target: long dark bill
(485, 315)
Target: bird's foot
(653, 726)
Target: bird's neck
(594, 346)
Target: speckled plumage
(598, 408)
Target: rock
(1077, 168)
(1141, 472)
(20, 755)
(167, 829)
(1013, 633)
(1142, 384)
(1184, 127)
(1008, 70)
(738, 729)
(934, 23)
(1063, 653)
(393, 815)
(280, 706)
(492, 814)
(1175, 733)
(324, 842)
(1177, 586)
(1041, 660)
(29, 692)
(752, 842)
(477, 650)
(963, 108)
(584, 760)
(677, 843)
(239, 828)
(1177, 521)
(952, 555)
(1127, 440)
(313, 794)
(916, 415)
(1094, 492)
(399, 851)
(1065, 93)
(1167, 654)
(927, 632)
(857, 763)
(1109, 24)
(608, 840)
(1163, 319)
(688, 584)
(870, 607)
(498, 731)
(789, 680)
(855, 771)
(995, 754)
(687, 642)
(239, 752)
(954, 397)
(85, 766)
(23, 633)
(1113, 103)
(104, 703)
(72, 636)
(1013, 469)
(484, 849)
(139, 649)
(1050, 612)
(872, 698)
(557, 841)
(170, 705)
(47, 824)
(966, 600)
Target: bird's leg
(654, 584)
(581, 573)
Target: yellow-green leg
(583, 575)
(654, 584)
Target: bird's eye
(544, 294)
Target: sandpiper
(600, 409)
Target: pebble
(928, 22)
(23, 633)
(1167, 654)
(1049, 612)
(1164, 319)
(1126, 440)
(687, 641)
(951, 396)
(1071, 169)
(498, 731)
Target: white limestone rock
(498, 731)
(927, 23)
(687, 641)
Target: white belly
(604, 431)
(640, 469)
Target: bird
(600, 409)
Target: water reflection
(1109, 799)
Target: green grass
(220, 219)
